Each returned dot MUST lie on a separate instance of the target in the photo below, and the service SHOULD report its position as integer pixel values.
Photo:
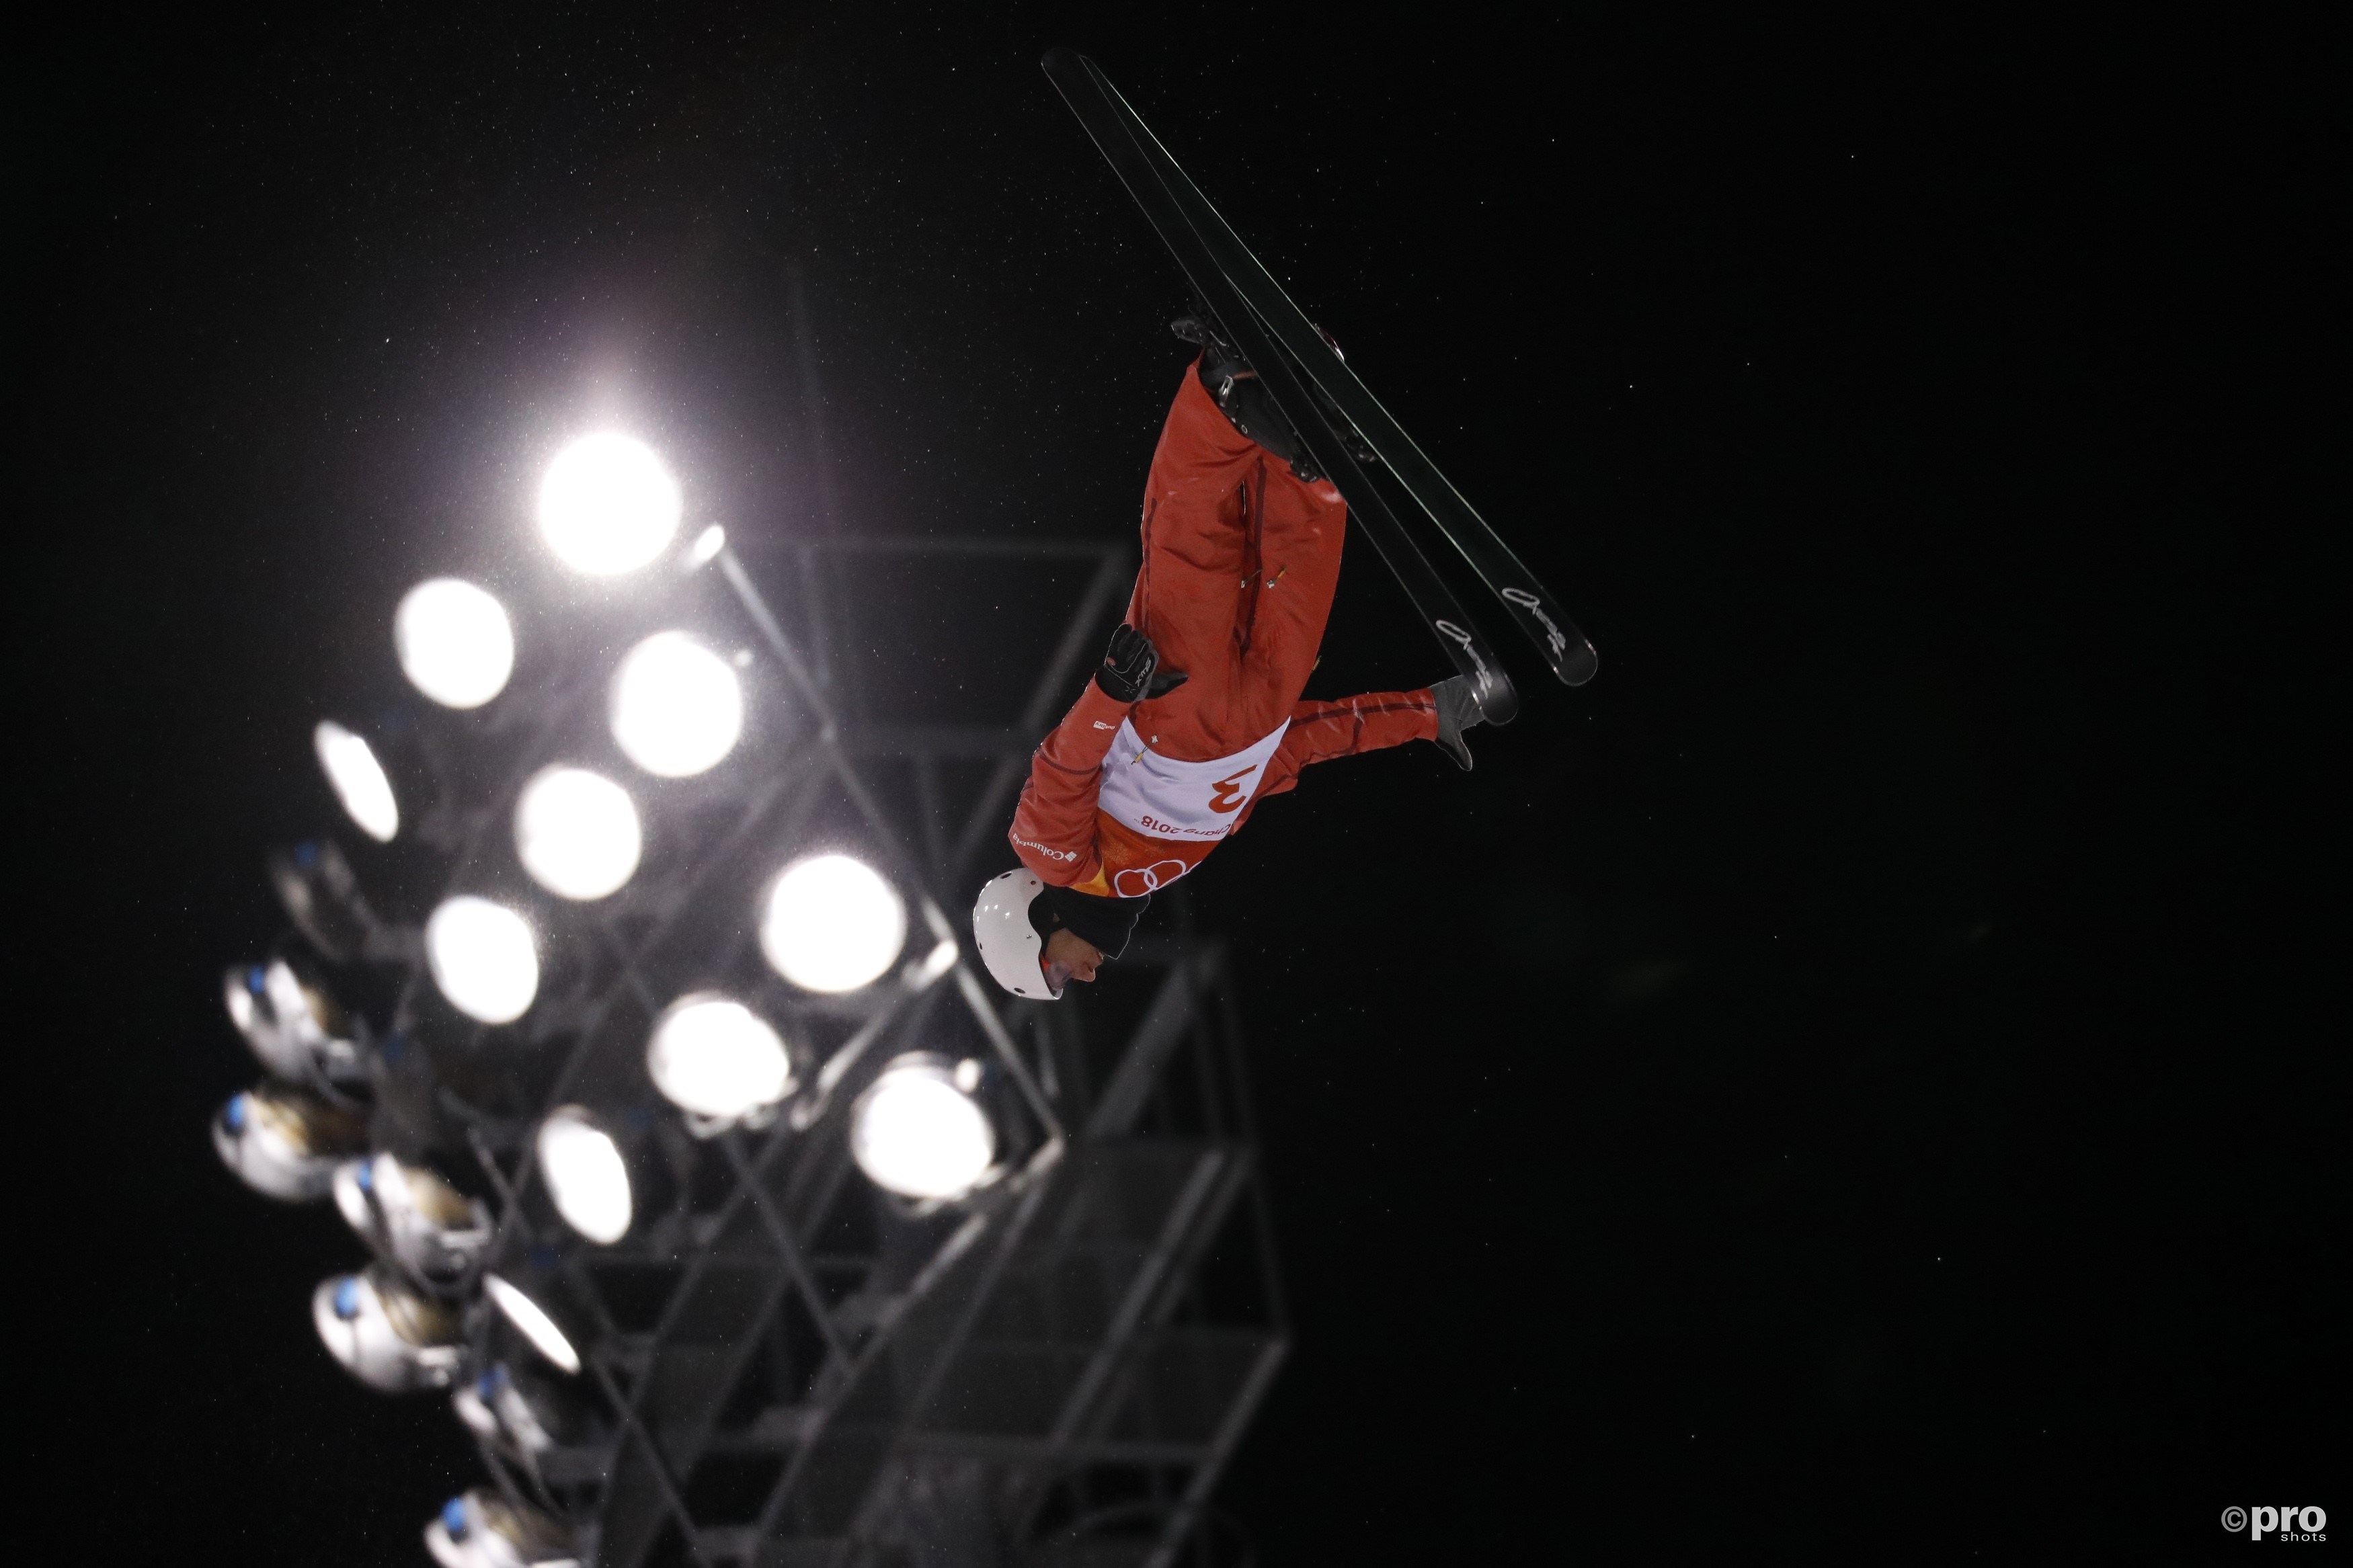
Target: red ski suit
(1240, 560)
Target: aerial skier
(1196, 713)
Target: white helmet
(1008, 941)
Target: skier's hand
(1458, 710)
(1128, 665)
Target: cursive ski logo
(1455, 634)
(1534, 606)
(1229, 795)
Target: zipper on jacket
(1143, 580)
(1254, 556)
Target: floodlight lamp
(413, 1217)
(524, 1412)
(454, 642)
(386, 1333)
(608, 505)
(918, 1132)
(296, 1029)
(716, 1058)
(577, 833)
(357, 779)
(483, 958)
(482, 1529)
(285, 1143)
(587, 1177)
(531, 1319)
(831, 923)
(676, 707)
(938, 962)
(472, 1403)
(321, 897)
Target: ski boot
(1251, 408)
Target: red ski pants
(1240, 562)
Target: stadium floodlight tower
(745, 1221)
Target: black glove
(1128, 665)
(1458, 710)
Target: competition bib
(1167, 799)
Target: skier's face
(1077, 955)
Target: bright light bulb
(717, 1058)
(677, 709)
(358, 780)
(483, 958)
(608, 505)
(577, 833)
(586, 1175)
(832, 923)
(916, 1134)
(530, 1318)
(455, 643)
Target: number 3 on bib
(1230, 792)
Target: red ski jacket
(1061, 834)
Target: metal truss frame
(797, 1371)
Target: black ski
(1100, 110)
(1537, 613)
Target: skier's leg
(1301, 527)
(1240, 560)
(1193, 527)
(1188, 595)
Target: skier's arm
(1322, 731)
(1054, 826)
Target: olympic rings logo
(1133, 883)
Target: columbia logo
(1042, 849)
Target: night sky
(1840, 1082)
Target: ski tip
(1061, 57)
(1577, 665)
(1499, 704)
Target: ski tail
(1106, 119)
(1533, 607)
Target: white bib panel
(1164, 799)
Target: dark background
(1842, 1080)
